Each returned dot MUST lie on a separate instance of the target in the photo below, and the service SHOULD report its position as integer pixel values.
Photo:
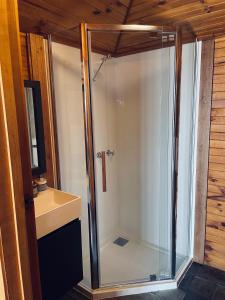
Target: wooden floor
(200, 283)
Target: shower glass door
(129, 91)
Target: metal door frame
(87, 104)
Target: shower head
(105, 57)
(103, 60)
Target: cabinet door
(60, 257)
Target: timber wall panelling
(36, 67)
(201, 19)
(205, 99)
(215, 222)
(16, 188)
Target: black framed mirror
(35, 126)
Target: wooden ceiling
(203, 19)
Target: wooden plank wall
(205, 100)
(14, 240)
(24, 53)
(38, 67)
(34, 68)
(215, 222)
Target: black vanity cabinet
(60, 259)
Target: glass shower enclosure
(131, 115)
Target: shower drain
(120, 241)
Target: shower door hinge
(99, 155)
(110, 152)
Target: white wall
(105, 137)
(70, 127)
(130, 114)
(144, 121)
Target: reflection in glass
(31, 126)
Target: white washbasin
(53, 209)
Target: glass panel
(132, 106)
(70, 128)
(31, 127)
(187, 150)
(165, 148)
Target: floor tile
(193, 296)
(212, 274)
(184, 285)
(171, 295)
(72, 295)
(148, 296)
(219, 293)
(202, 287)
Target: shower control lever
(110, 152)
(99, 154)
(102, 156)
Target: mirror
(35, 126)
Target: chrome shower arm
(104, 59)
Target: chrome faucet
(110, 152)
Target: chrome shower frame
(104, 59)
(86, 30)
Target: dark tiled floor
(200, 283)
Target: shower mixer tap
(110, 152)
(99, 155)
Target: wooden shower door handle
(103, 171)
(102, 156)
